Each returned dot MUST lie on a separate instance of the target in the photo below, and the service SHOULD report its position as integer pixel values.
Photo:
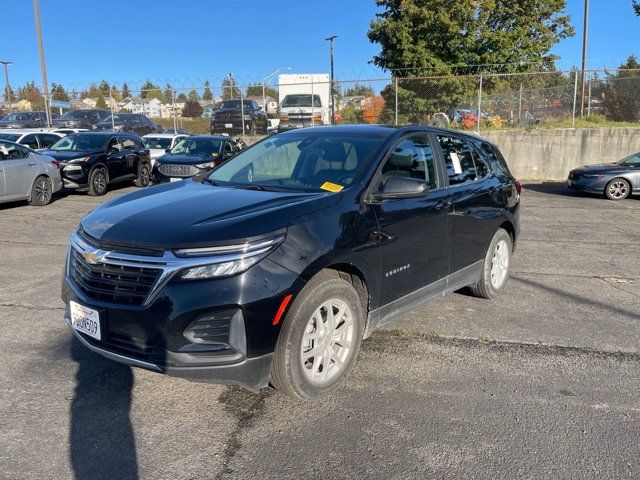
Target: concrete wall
(546, 155)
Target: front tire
(496, 267)
(41, 191)
(144, 176)
(98, 182)
(617, 189)
(320, 338)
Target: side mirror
(402, 187)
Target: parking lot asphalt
(542, 382)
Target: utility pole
(43, 65)
(330, 40)
(7, 88)
(585, 38)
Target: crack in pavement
(506, 345)
(609, 279)
(29, 307)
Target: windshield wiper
(251, 186)
(212, 182)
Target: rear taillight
(56, 163)
(519, 187)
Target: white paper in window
(456, 163)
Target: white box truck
(297, 109)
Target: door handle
(444, 204)
(32, 164)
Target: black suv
(274, 267)
(85, 118)
(194, 155)
(128, 122)
(26, 120)
(229, 117)
(90, 161)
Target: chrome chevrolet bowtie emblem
(94, 256)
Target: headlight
(227, 260)
(76, 161)
(593, 175)
(206, 165)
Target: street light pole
(264, 97)
(7, 88)
(43, 66)
(585, 37)
(330, 40)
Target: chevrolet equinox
(273, 267)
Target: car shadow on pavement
(102, 441)
(554, 188)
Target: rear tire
(41, 191)
(496, 267)
(98, 182)
(144, 175)
(617, 189)
(320, 338)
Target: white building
(150, 108)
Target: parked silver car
(27, 175)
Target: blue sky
(188, 40)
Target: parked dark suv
(85, 118)
(229, 117)
(26, 120)
(90, 161)
(275, 266)
(128, 122)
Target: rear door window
(30, 141)
(46, 140)
(458, 159)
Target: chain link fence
(479, 101)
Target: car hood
(66, 156)
(601, 168)
(185, 159)
(193, 214)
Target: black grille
(177, 170)
(112, 283)
(119, 247)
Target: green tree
(636, 7)
(182, 98)
(192, 109)
(193, 96)
(422, 38)
(168, 92)
(230, 89)
(59, 93)
(115, 93)
(9, 94)
(147, 88)
(31, 93)
(155, 94)
(206, 95)
(621, 99)
(104, 87)
(255, 90)
(125, 90)
(92, 92)
(101, 102)
(359, 89)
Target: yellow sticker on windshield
(331, 187)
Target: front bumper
(230, 126)
(295, 124)
(157, 177)
(586, 184)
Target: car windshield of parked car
(17, 116)
(80, 143)
(160, 143)
(75, 115)
(201, 147)
(303, 100)
(302, 162)
(631, 160)
(234, 104)
(12, 137)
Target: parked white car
(27, 175)
(35, 139)
(159, 143)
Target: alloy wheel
(43, 191)
(499, 264)
(618, 189)
(99, 182)
(144, 176)
(327, 342)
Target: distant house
(209, 108)
(149, 107)
(355, 101)
(167, 110)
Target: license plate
(173, 179)
(228, 125)
(85, 320)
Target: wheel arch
(511, 230)
(40, 174)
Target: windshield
(631, 160)
(303, 162)
(12, 137)
(76, 114)
(157, 142)
(19, 116)
(235, 104)
(202, 147)
(301, 101)
(79, 142)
